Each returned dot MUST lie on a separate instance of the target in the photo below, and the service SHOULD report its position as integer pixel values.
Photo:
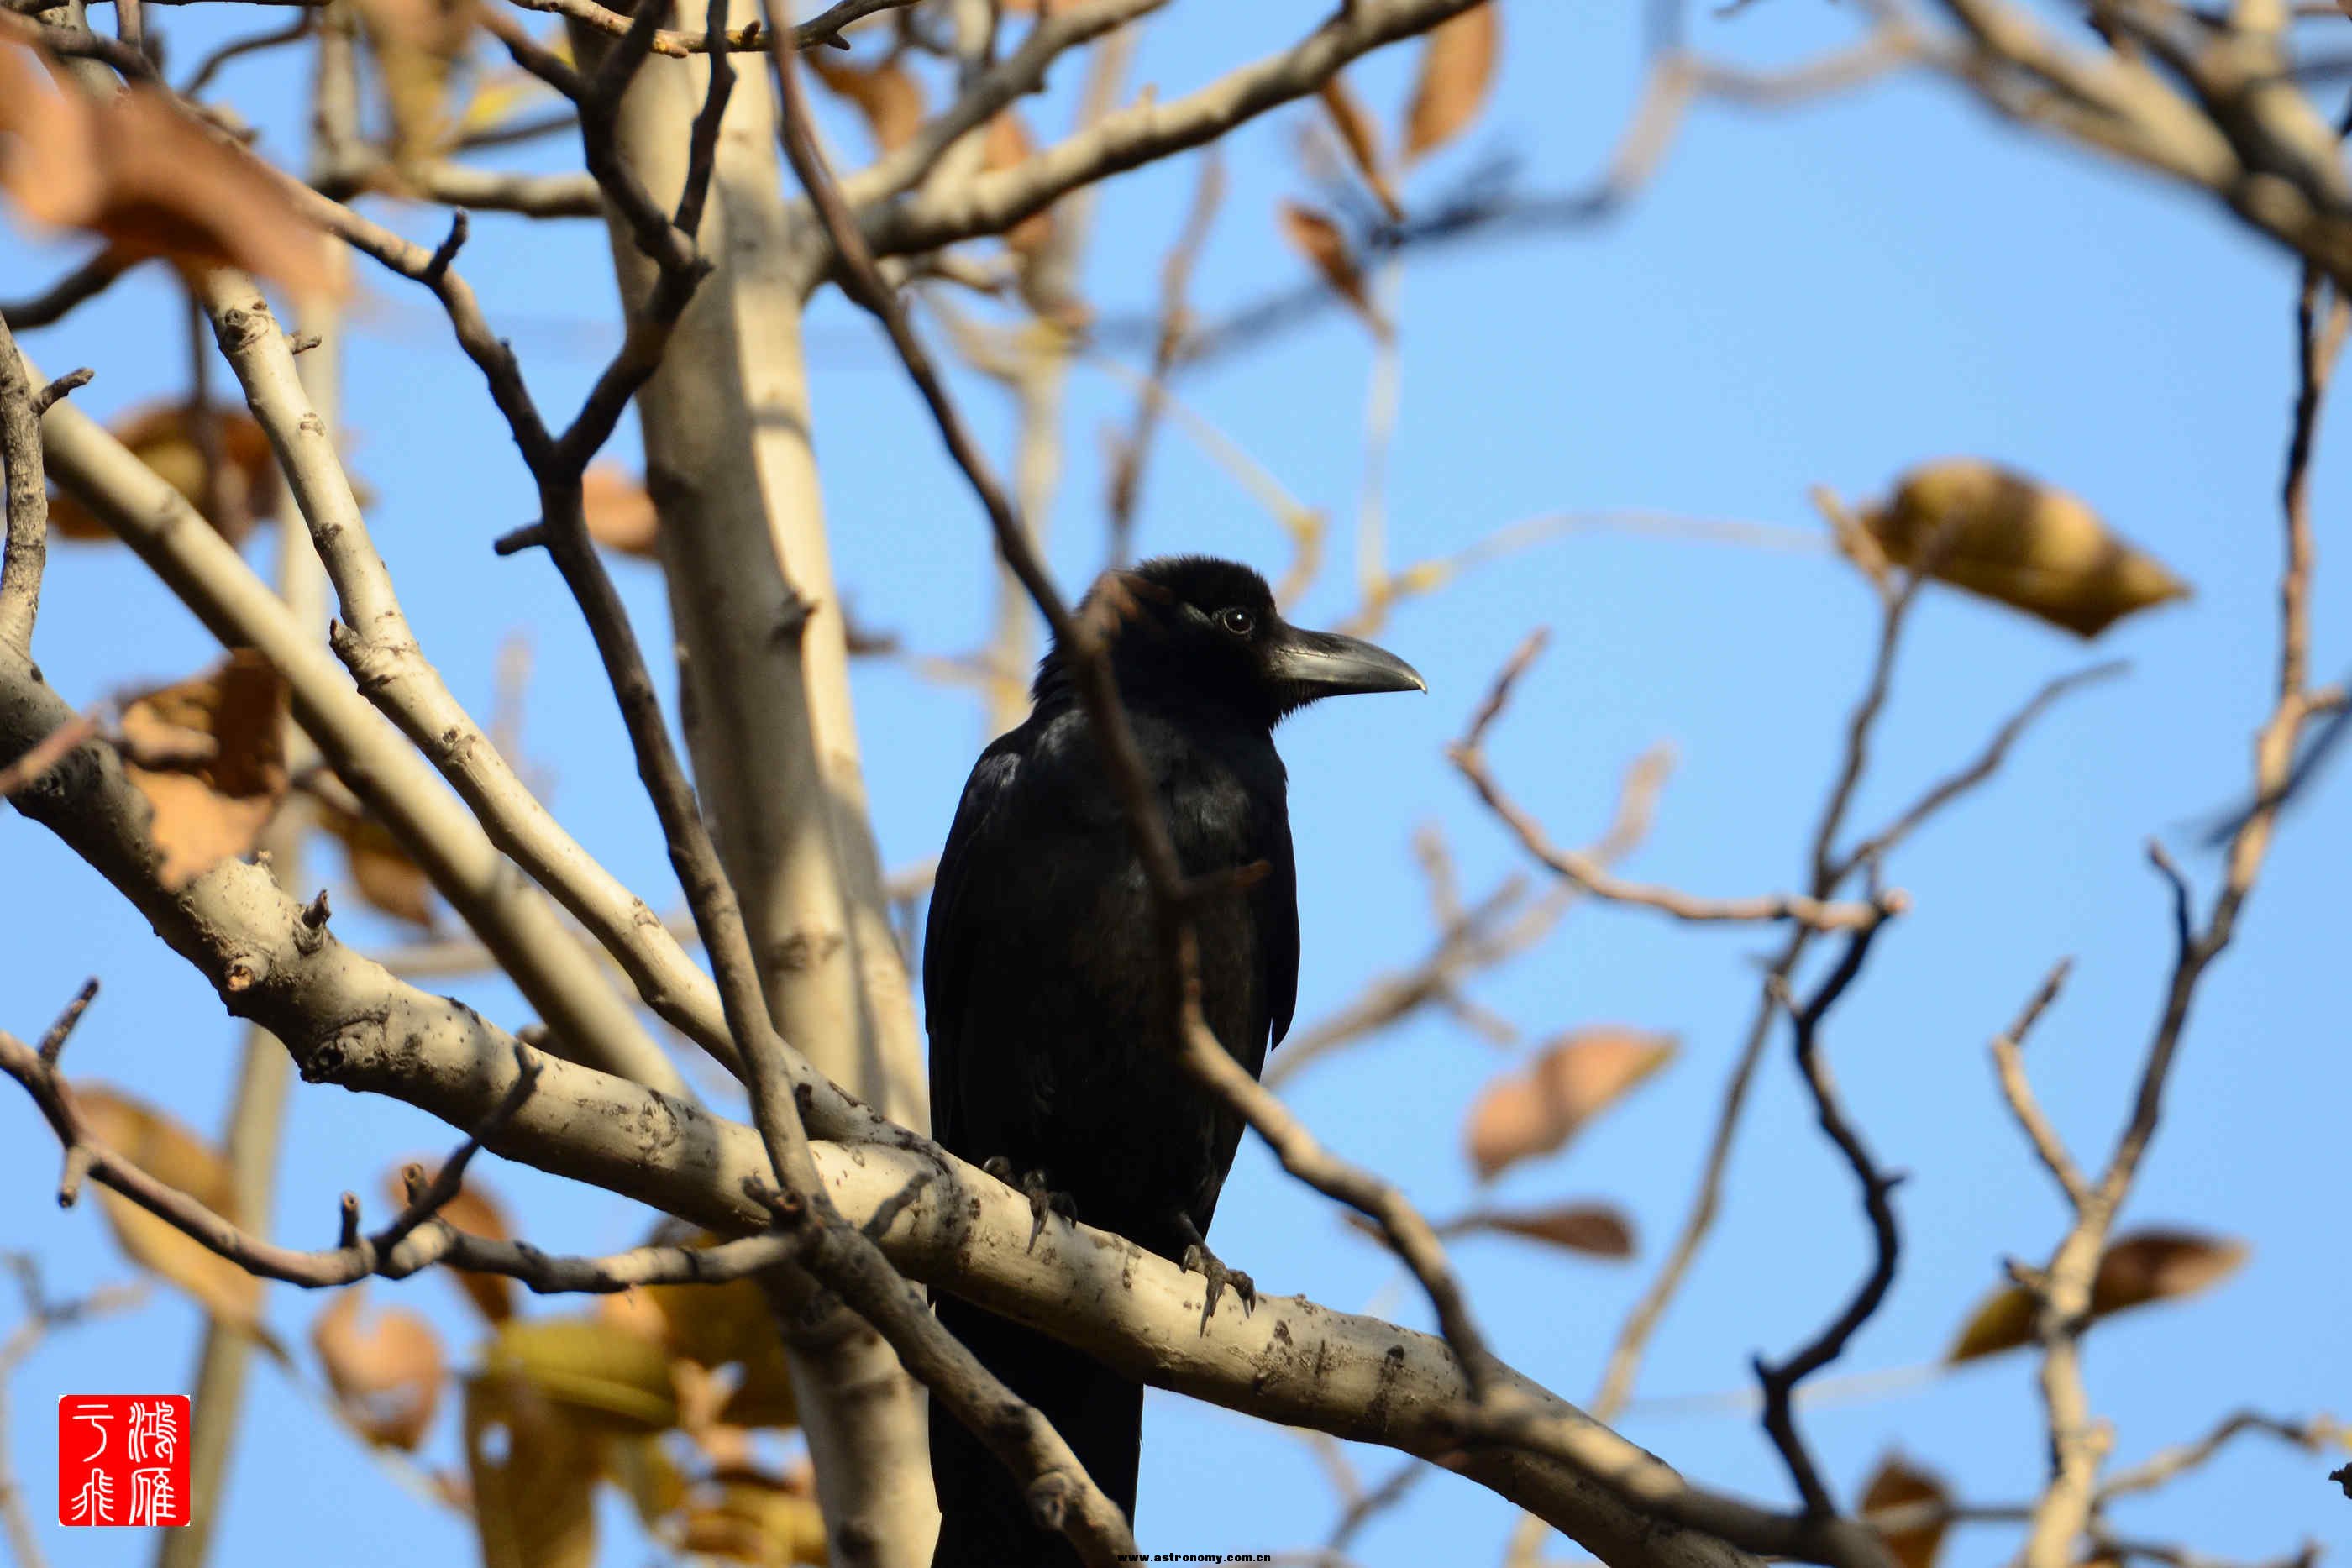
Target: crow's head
(1200, 631)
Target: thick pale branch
(375, 642)
(532, 944)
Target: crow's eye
(1240, 622)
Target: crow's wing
(948, 931)
(1276, 917)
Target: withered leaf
(1319, 240)
(716, 1326)
(619, 511)
(152, 180)
(2155, 1264)
(890, 100)
(1597, 1229)
(752, 1517)
(171, 1151)
(641, 1467)
(1897, 1484)
(165, 436)
(597, 1369)
(1457, 71)
(1574, 1078)
(380, 870)
(1361, 137)
(473, 1212)
(209, 756)
(2012, 539)
(533, 1463)
(386, 1376)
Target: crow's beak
(1327, 664)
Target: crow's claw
(1042, 1199)
(1217, 1279)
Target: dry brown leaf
(380, 870)
(1457, 71)
(533, 1465)
(2151, 1265)
(1894, 1484)
(1319, 239)
(473, 1212)
(1008, 146)
(2161, 1265)
(889, 98)
(1598, 1229)
(619, 511)
(593, 1366)
(2019, 542)
(209, 756)
(152, 180)
(164, 436)
(1362, 140)
(1575, 1077)
(418, 43)
(752, 1517)
(386, 1376)
(168, 1150)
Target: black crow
(1052, 1020)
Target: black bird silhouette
(1052, 1018)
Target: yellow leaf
(495, 100)
(642, 1469)
(1897, 1484)
(756, 1518)
(2019, 542)
(2151, 1265)
(533, 1464)
(168, 1150)
(152, 180)
(1362, 140)
(716, 1326)
(1457, 69)
(209, 756)
(387, 1377)
(1576, 1077)
(595, 1368)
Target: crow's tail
(985, 1519)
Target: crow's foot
(1042, 1199)
(1199, 1259)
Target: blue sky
(1818, 295)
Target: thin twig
(2009, 1062)
(1779, 1381)
(1469, 755)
